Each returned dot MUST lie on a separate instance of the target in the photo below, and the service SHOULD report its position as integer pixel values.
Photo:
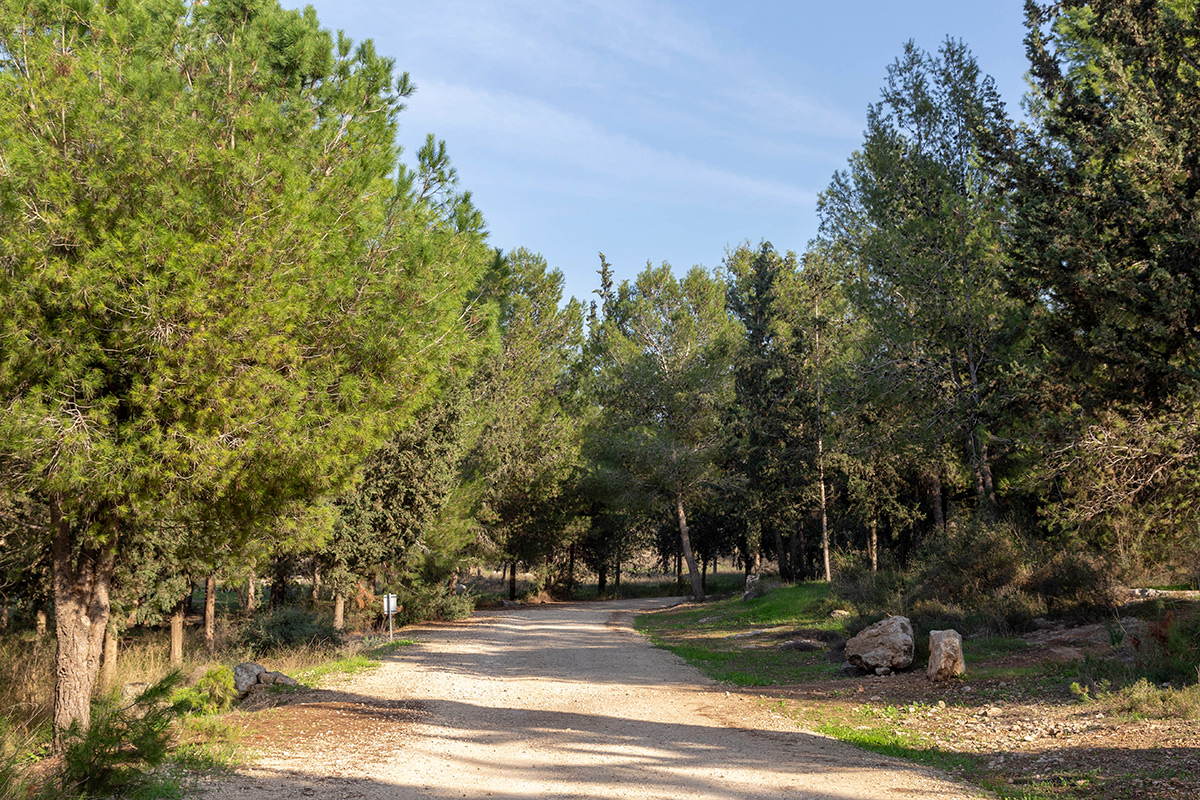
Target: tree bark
(781, 557)
(339, 610)
(108, 670)
(210, 613)
(873, 545)
(82, 578)
(512, 581)
(601, 579)
(177, 634)
(935, 497)
(316, 580)
(251, 594)
(686, 542)
(795, 548)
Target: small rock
(849, 669)
(838, 613)
(801, 645)
(882, 671)
(276, 679)
(994, 711)
(754, 588)
(132, 690)
(246, 675)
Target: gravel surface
(553, 701)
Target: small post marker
(389, 608)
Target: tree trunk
(177, 635)
(935, 497)
(686, 542)
(316, 580)
(617, 575)
(873, 545)
(704, 574)
(210, 613)
(821, 440)
(781, 558)
(82, 577)
(571, 572)
(108, 670)
(824, 519)
(795, 549)
(339, 610)
(279, 583)
(601, 579)
(512, 581)
(251, 594)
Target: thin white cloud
(538, 132)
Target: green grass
(355, 664)
(706, 636)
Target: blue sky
(654, 130)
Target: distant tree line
(242, 337)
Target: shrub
(1075, 583)
(288, 626)
(433, 601)
(971, 563)
(121, 745)
(212, 694)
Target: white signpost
(389, 608)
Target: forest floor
(1013, 724)
(554, 700)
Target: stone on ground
(945, 655)
(887, 644)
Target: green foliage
(1076, 583)
(212, 694)
(527, 455)
(426, 601)
(122, 744)
(973, 561)
(664, 384)
(287, 626)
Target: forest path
(553, 701)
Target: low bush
(436, 601)
(289, 626)
(212, 694)
(971, 563)
(1075, 583)
(122, 744)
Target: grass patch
(738, 642)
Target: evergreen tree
(918, 221)
(664, 385)
(216, 292)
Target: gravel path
(555, 701)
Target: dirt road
(554, 701)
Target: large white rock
(888, 643)
(945, 655)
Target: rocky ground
(1018, 726)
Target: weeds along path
(554, 701)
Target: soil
(556, 700)
(1021, 728)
